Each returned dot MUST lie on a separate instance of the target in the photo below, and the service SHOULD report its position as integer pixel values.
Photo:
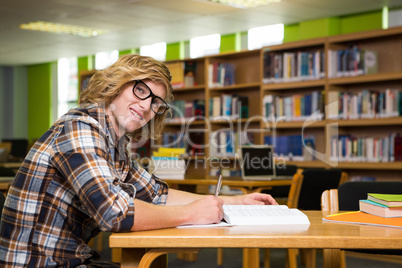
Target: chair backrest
(6, 172)
(5, 149)
(350, 193)
(19, 148)
(307, 188)
(286, 170)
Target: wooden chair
(305, 194)
(346, 198)
(5, 152)
(281, 193)
(277, 191)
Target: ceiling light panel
(244, 3)
(58, 28)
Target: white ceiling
(133, 23)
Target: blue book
(307, 104)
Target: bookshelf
(293, 87)
(248, 74)
(250, 79)
(84, 77)
(387, 45)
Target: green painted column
(39, 99)
(291, 33)
(230, 42)
(84, 64)
(175, 51)
(128, 51)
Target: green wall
(361, 22)
(39, 99)
(175, 51)
(230, 42)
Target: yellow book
(296, 111)
(169, 152)
(177, 72)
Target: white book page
(263, 215)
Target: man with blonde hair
(78, 180)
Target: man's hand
(205, 210)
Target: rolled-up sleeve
(149, 187)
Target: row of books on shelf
(293, 66)
(225, 143)
(368, 104)
(225, 172)
(186, 109)
(293, 147)
(352, 61)
(378, 209)
(297, 107)
(192, 141)
(183, 73)
(221, 74)
(230, 106)
(366, 149)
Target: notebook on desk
(257, 162)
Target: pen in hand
(218, 186)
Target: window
(156, 51)
(259, 37)
(67, 85)
(205, 45)
(105, 59)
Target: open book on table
(263, 215)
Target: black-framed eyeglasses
(143, 92)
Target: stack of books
(383, 205)
(166, 163)
(378, 210)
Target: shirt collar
(98, 112)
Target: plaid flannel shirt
(76, 181)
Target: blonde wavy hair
(105, 85)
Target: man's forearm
(177, 197)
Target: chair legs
(308, 257)
(266, 258)
(219, 256)
(291, 260)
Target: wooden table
(147, 245)
(245, 186)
